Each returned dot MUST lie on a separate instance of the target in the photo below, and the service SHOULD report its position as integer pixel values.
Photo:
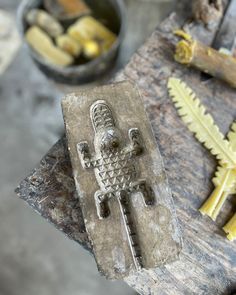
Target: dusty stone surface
(145, 185)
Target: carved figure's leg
(84, 154)
(146, 190)
(101, 201)
(136, 141)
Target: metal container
(113, 11)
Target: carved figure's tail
(130, 230)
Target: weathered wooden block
(120, 179)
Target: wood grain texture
(207, 264)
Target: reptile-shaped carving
(115, 169)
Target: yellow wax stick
(44, 46)
(69, 45)
(89, 29)
(40, 18)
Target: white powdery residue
(154, 227)
(76, 175)
(57, 215)
(157, 165)
(137, 200)
(119, 259)
(91, 225)
(123, 231)
(81, 192)
(156, 191)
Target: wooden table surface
(207, 264)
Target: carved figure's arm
(84, 154)
(136, 141)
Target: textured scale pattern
(102, 117)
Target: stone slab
(113, 152)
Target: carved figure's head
(107, 136)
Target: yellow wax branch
(217, 199)
(220, 204)
(230, 229)
(212, 203)
(201, 124)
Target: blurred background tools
(226, 36)
(9, 40)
